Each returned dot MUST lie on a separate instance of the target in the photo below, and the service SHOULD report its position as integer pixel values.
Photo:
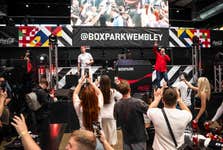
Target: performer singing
(160, 67)
(85, 60)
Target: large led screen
(124, 13)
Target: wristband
(23, 133)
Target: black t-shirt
(129, 113)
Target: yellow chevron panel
(59, 34)
(180, 32)
(189, 33)
(45, 44)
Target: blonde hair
(204, 86)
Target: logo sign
(216, 38)
(119, 37)
(8, 37)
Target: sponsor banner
(38, 36)
(182, 37)
(8, 37)
(216, 38)
(119, 37)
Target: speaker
(71, 80)
(64, 94)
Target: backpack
(32, 101)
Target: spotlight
(43, 59)
(27, 5)
(219, 58)
(53, 39)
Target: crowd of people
(120, 13)
(101, 108)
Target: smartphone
(86, 72)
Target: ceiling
(182, 13)
(193, 13)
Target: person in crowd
(5, 111)
(41, 120)
(20, 125)
(161, 64)
(29, 76)
(185, 92)
(129, 113)
(27, 57)
(178, 119)
(4, 85)
(85, 140)
(79, 139)
(85, 60)
(200, 101)
(3, 96)
(219, 112)
(110, 97)
(2, 107)
(117, 20)
(89, 104)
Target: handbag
(183, 146)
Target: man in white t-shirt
(178, 119)
(85, 60)
(185, 91)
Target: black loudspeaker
(71, 80)
(64, 94)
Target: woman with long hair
(110, 96)
(88, 105)
(203, 90)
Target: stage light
(53, 39)
(27, 5)
(219, 58)
(43, 59)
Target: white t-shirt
(84, 59)
(184, 91)
(79, 110)
(178, 120)
(108, 109)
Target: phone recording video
(86, 72)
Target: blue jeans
(159, 76)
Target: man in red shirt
(161, 60)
